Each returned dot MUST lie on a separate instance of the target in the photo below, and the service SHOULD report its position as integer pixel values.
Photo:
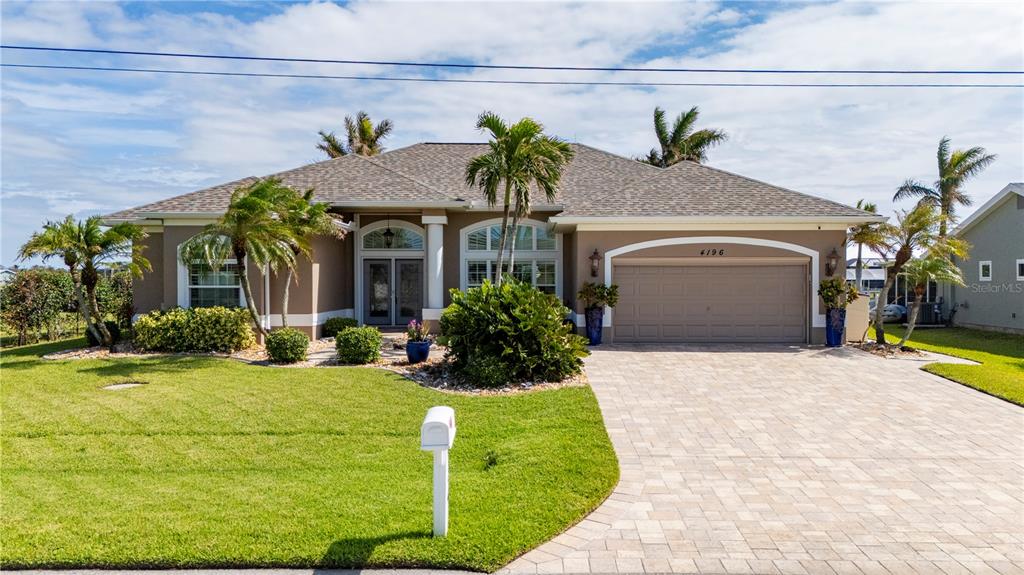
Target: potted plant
(836, 294)
(417, 345)
(595, 298)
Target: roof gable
(989, 206)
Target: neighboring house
(699, 254)
(7, 274)
(994, 295)
(872, 278)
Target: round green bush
(333, 326)
(486, 371)
(115, 333)
(358, 345)
(287, 345)
(201, 329)
(515, 324)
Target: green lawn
(1001, 372)
(215, 463)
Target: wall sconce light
(832, 263)
(595, 263)
(389, 236)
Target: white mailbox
(438, 429)
(437, 434)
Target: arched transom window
(537, 258)
(403, 239)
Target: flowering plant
(417, 331)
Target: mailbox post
(437, 434)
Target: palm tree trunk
(512, 245)
(284, 297)
(860, 273)
(250, 304)
(501, 241)
(94, 307)
(83, 308)
(890, 279)
(912, 320)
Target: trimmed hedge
(515, 332)
(201, 329)
(112, 327)
(335, 325)
(287, 345)
(358, 345)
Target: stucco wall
(999, 303)
(148, 291)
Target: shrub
(516, 324)
(335, 325)
(112, 327)
(287, 345)
(358, 345)
(486, 371)
(200, 329)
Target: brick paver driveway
(773, 459)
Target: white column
(435, 264)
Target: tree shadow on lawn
(353, 552)
(148, 366)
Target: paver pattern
(775, 459)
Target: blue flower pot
(417, 351)
(835, 324)
(595, 317)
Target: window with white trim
(985, 271)
(208, 287)
(536, 256)
(403, 239)
(1020, 270)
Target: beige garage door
(748, 303)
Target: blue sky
(89, 143)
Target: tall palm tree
(305, 219)
(61, 239)
(867, 234)
(520, 156)
(104, 246)
(932, 267)
(682, 143)
(252, 232)
(363, 138)
(955, 168)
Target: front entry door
(392, 291)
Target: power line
(485, 81)
(499, 66)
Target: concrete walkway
(774, 459)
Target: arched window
(537, 249)
(403, 239)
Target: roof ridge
(408, 177)
(192, 193)
(614, 155)
(764, 183)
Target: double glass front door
(392, 291)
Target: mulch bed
(437, 374)
(888, 351)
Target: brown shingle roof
(595, 184)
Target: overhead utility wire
(519, 82)
(498, 66)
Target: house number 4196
(714, 252)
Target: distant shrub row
(201, 329)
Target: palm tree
(520, 156)
(915, 230)
(932, 267)
(866, 234)
(682, 143)
(954, 170)
(61, 239)
(100, 247)
(305, 219)
(252, 232)
(363, 137)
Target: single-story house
(700, 254)
(993, 297)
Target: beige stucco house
(700, 254)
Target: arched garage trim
(817, 320)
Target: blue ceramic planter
(595, 317)
(835, 324)
(417, 351)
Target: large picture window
(210, 288)
(537, 256)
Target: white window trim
(465, 255)
(184, 293)
(400, 224)
(1020, 276)
(981, 276)
(384, 254)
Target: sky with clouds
(95, 142)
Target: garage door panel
(750, 303)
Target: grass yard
(1001, 372)
(215, 463)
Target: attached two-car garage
(711, 303)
